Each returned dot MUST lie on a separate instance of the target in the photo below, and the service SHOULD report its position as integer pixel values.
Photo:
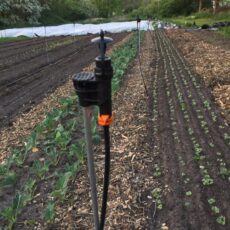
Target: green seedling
(207, 105)
(71, 124)
(31, 222)
(62, 137)
(73, 169)
(215, 209)
(211, 201)
(29, 186)
(40, 168)
(16, 158)
(226, 136)
(53, 155)
(78, 150)
(9, 180)
(189, 193)
(186, 181)
(221, 220)
(49, 212)
(207, 180)
(68, 101)
(156, 194)
(61, 186)
(198, 151)
(211, 145)
(157, 172)
(3, 169)
(31, 143)
(10, 213)
(187, 204)
(224, 172)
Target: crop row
(194, 120)
(18, 55)
(56, 153)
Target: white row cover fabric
(75, 29)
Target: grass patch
(225, 31)
(201, 18)
(13, 39)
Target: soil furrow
(173, 205)
(201, 92)
(44, 82)
(40, 61)
(213, 190)
(183, 148)
(16, 57)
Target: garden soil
(156, 182)
(169, 141)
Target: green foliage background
(51, 12)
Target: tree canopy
(21, 12)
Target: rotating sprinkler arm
(102, 42)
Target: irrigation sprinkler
(139, 33)
(74, 32)
(46, 45)
(94, 89)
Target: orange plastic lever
(105, 120)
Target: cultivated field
(170, 140)
(33, 68)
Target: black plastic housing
(104, 74)
(95, 88)
(86, 88)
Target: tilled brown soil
(169, 152)
(26, 83)
(190, 140)
(170, 147)
(36, 207)
(14, 54)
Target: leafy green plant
(40, 168)
(121, 58)
(73, 169)
(10, 213)
(221, 220)
(226, 136)
(61, 186)
(188, 193)
(78, 150)
(157, 171)
(53, 155)
(156, 194)
(207, 180)
(49, 212)
(211, 201)
(215, 209)
(9, 180)
(62, 137)
(198, 151)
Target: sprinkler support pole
(139, 33)
(87, 112)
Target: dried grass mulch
(210, 61)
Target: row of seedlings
(207, 180)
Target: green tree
(23, 11)
(107, 8)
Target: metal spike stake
(87, 111)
